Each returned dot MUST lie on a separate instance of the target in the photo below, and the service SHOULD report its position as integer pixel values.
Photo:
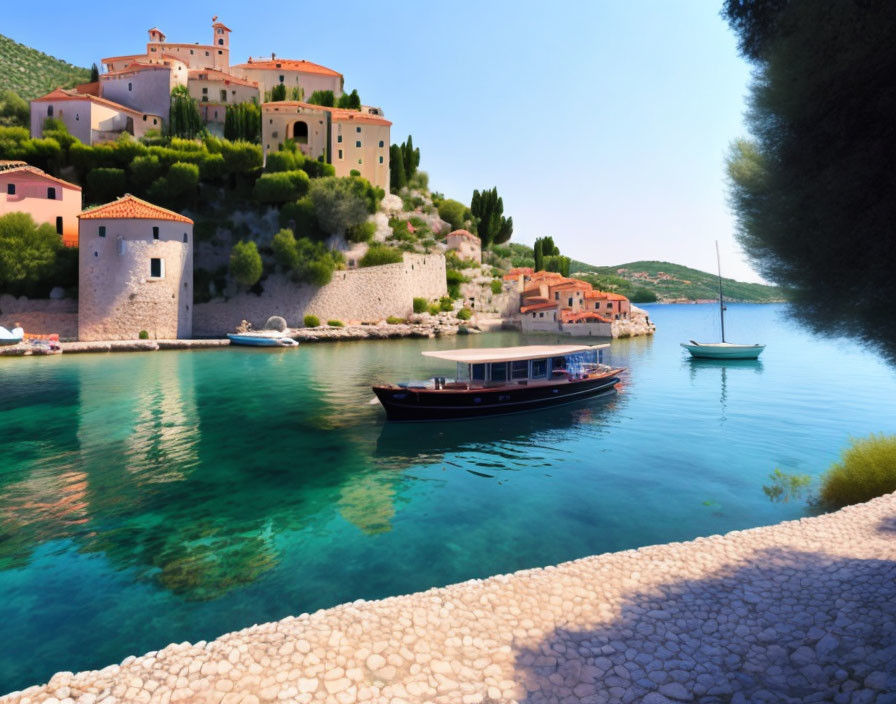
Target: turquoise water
(161, 497)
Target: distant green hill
(673, 281)
(31, 73)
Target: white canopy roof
(481, 355)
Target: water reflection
(722, 366)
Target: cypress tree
(397, 177)
(539, 257)
(94, 73)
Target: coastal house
(135, 272)
(90, 118)
(214, 90)
(301, 78)
(467, 245)
(348, 139)
(45, 198)
(551, 302)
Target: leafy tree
(282, 161)
(245, 263)
(397, 177)
(488, 210)
(94, 73)
(184, 119)
(544, 247)
(325, 98)
(301, 218)
(243, 122)
(349, 101)
(342, 203)
(454, 213)
(379, 254)
(557, 263)
(813, 191)
(104, 185)
(281, 187)
(28, 252)
(14, 111)
(285, 252)
(278, 93)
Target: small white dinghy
(723, 349)
(10, 337)
(262, 338)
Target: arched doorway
(300, 132)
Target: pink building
(47, 199)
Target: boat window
(478, 372)
(539, 368)
(558, 363)
(519, 369)
(499, 371)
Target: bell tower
(221, 42)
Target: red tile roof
(222, 26)
(8, 167)
(213, 74)
(466, 235)
(128, 57)
(92, 88)
(290, 65)
(129, 207)
(338, 114)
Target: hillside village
(202, 195)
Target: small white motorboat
(723, 349)
(10, 337)
(262, 338)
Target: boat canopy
(480, 355)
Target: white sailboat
(723, 349)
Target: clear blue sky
(603, 124)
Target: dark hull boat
(501, 381)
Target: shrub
(434, 308)
(240, 157)
(464, 314)
(281, 161)
(318, 169)
(335, 323)
(454, 213)
(341, 203)
(245, 263)
(497, 286)
(28, 253)
(445, 303)
(281, 187)
(106, 184)
(867, 469)
(311, 321)
(144, 170)
(322, 97)
(361, 233)
(143, 335)
(300, 217)
(285, 252)
(380, 254)
(454, 279)
(394, 320)
(420, 305)
(14, 111)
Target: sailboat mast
(721, 302)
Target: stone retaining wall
(802, 611)
(40, 316)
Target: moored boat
(722, 350)
(261, 338)
(497, 381)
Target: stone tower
(135, 272)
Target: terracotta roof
(290, 65)
(116, 59)
(338, 114)
(539, 306)
(129, 207)
(596, 294)
(61, 94)
(222, 26)
(213, 74)
(15, 166)
(463, 233)
(532, 300)
(92, 88)
(616, 297)
(572, 284)
(134, 67)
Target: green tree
(245, 263)
(397, 177)
(410, 158)
(285, 252)
(349, 101)
(342, 203)
(28, 252)
(243, 122)
(104, 185)
(14, 112)
(184, 119)
(94, 73)
(325, 98)
(543, 248)
(281, 187)
(813, 191)
(454, 213)
(488, 210)
(278, 93)
(379, 254)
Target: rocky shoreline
(802, 611)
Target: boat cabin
(488, 367)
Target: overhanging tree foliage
(184, 120)
(243, 122)
(814, 190)
(488, 209)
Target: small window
(205, 90)
(557, 296)
(77, 117)
(281, 78)
(10, 189)
(102, 230)
(155, 233)
(156, 269)
(478, 372)
(144, 118)
(519, 369)
(381, 160)
(51, 193)
(499, 371)
(58, 224)
(339, 139)
(220, 42)
(155, 121)
(220, 52)
(539, 366)
(360, 161)
(382, 144)
(191, 51)
(358, 129)
(223, 96)
(570, 301)
(358, 143)
(186, 239)
(206, 53)
(50, 110)
(130, 86)
(340, 154)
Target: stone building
(47, 199)
(350, 140)
(89, 118)
(301, 77)
(467, 245)
(135, 272)
(214, 90)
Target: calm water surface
(151, 498)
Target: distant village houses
(133, 96)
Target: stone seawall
(368, 294)
(803, 611)
(41, 316)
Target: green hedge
(311, 321)
(281, 187)
(380, 254)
